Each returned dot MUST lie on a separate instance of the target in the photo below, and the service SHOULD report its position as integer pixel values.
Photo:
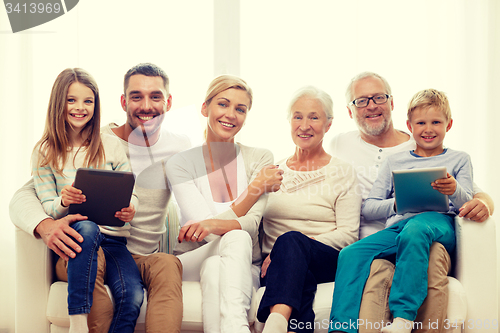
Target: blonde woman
(220, 189)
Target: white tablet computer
(106, 193)
(414, 193)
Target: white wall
(282, 45)
(105, 38)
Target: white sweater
(323, 204)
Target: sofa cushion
(57, 307)
(322, 305)
(191, 316)
(457, 305)
(457, 301)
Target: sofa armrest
(34, 275)
(476, 269)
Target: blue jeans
(410, 241)
(122, 276)
(298, 265)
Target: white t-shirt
(148, 165)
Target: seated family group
(246, 220)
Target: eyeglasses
(364, 101)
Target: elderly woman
(219, 187)
(308, 221)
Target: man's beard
(143, 132)
(151, 126)
(373, 130)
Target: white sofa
(41, 303)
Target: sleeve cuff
(60, 210)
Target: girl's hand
(71, 195)
(194, 231)
(446, 185)
(126, 214)
(268, 179)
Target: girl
(219, 190)
(72, 140)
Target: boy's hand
(71, 195)
(126, 214)
(446, 185)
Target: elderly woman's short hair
(315, 93)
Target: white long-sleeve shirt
(380, 201)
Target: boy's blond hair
(427, 98)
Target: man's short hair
(430, 98)
(146, 69)
(348, 93)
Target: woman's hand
(71, 195)
(126, 214)
(194, 231)
(268, 179)
(265, 266)
(446, 185)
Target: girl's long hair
(54, 143)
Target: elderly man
(370, 104)
(145, 100)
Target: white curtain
(450, 45)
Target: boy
(407, 236)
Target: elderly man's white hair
(348, 93)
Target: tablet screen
(106, 193)
(414, 193)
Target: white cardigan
(187, 173)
